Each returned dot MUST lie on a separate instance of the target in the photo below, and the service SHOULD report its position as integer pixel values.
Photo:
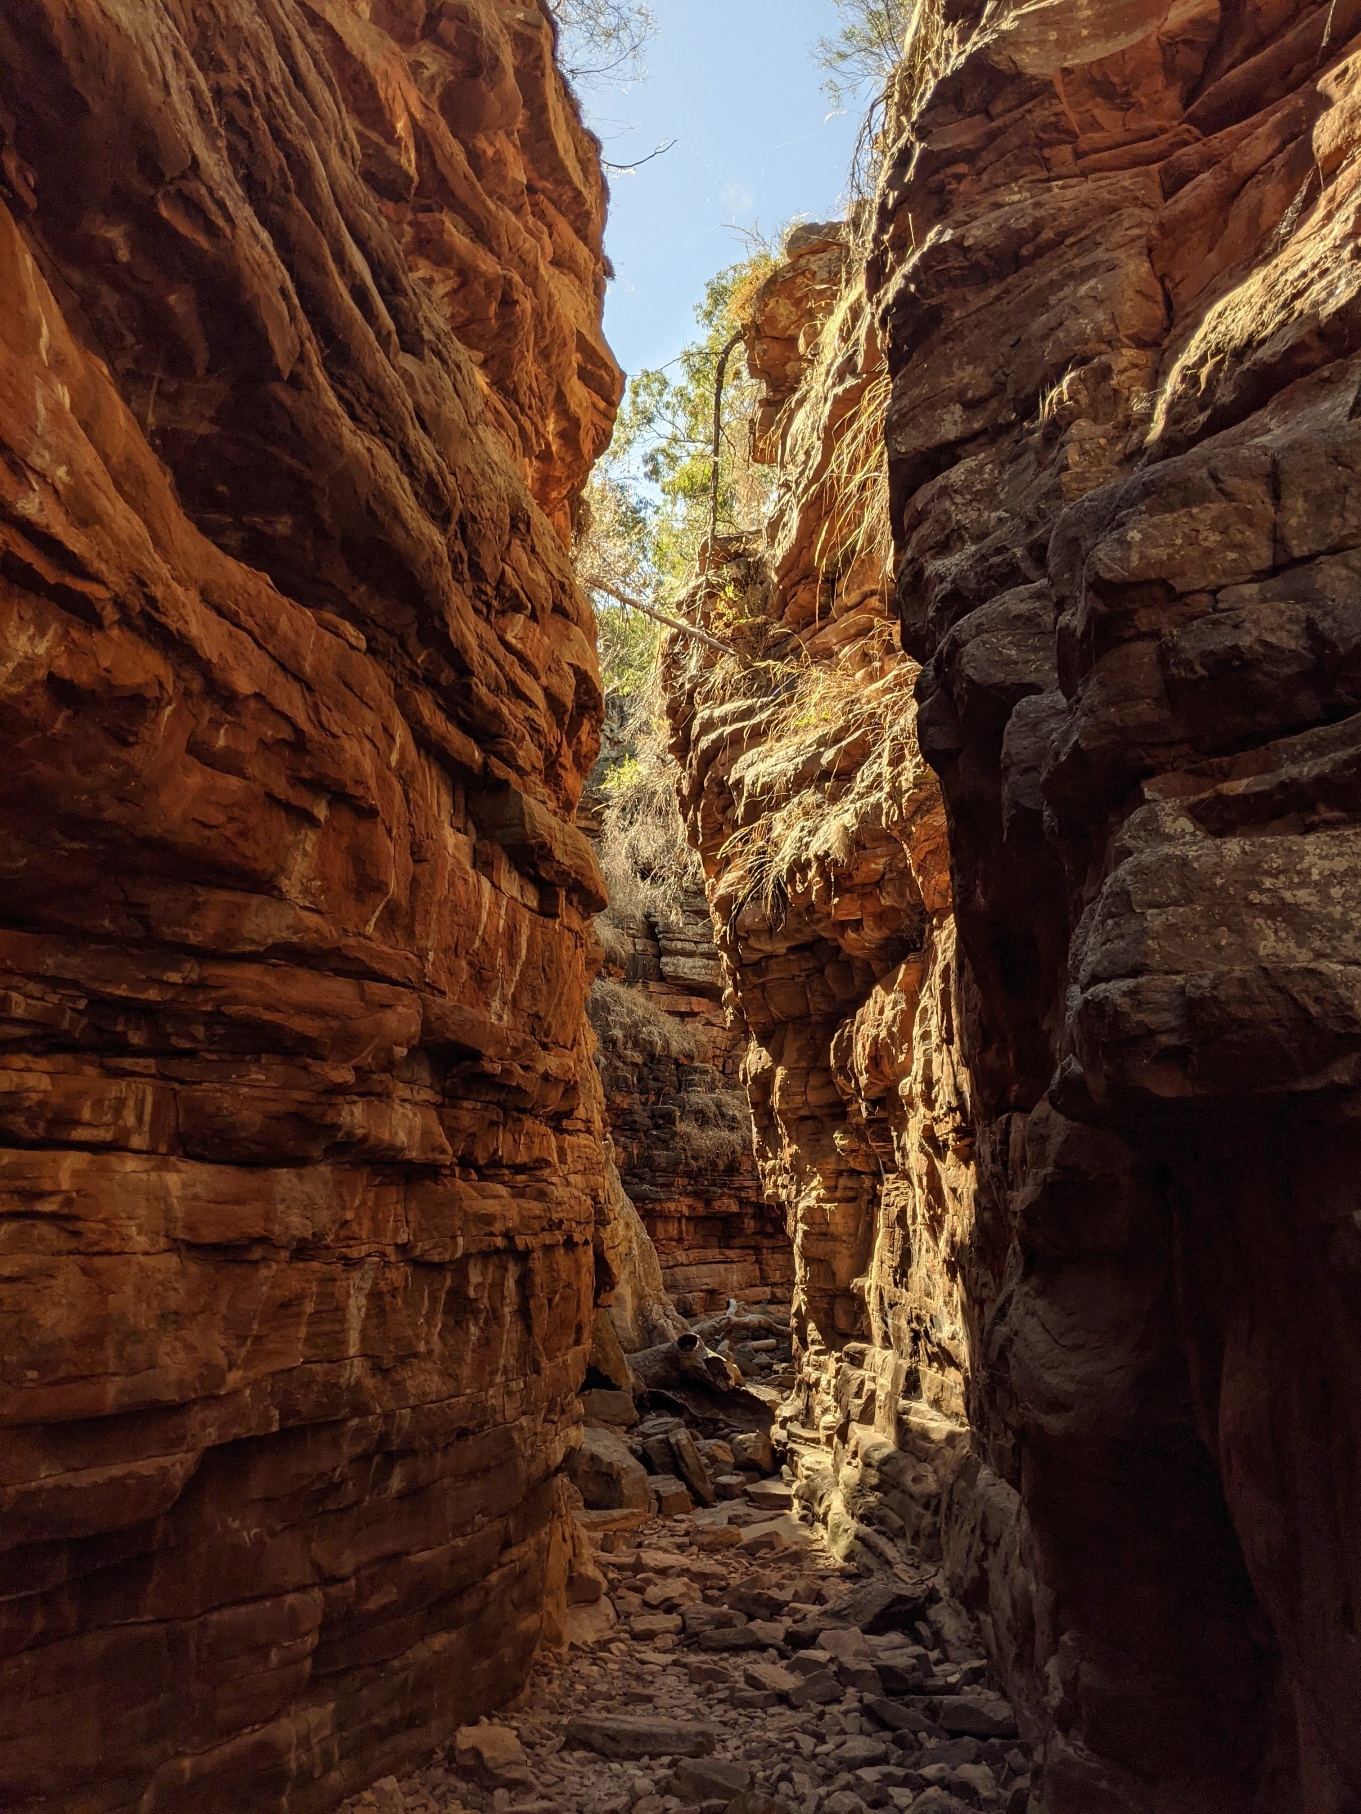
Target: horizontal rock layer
(302, 1168)
(679, 1120)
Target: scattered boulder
(606, 1473)
(491, 1755)
(609, 1407)
(649, 1625)
(876, 1607)
(708, 1779)
(621, 1736)
(818, 1690)
(753, 1450)
(672, 1496)
(977, 1716)
(718, 1537)
(590, 1623)
(771, 1495)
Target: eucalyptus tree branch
(719, 379)
(660, 617)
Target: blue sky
(734, 83)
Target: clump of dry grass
(830, 704)
(648, 866)
(627, 1023)
(859, 526)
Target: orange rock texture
(302, 1195)
(680, 1123)
(1082, 1309)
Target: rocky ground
(732, 1666)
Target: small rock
(490, 1754)
(387, 1796)
(621, 1736)
(701, 1779)
(977, 1716)
(843, 1802)
(730, 1486)
(771, 1495)
(672, 1496)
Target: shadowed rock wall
(1115, 266)
(302, 1187)
(1081, 1308)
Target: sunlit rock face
(1115, 270)
(302, 1191)
(823, 836)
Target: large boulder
(607, 1474)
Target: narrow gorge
(950, 1189)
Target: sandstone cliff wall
(302, 1185)
(670, 1062)
(1082, 1305)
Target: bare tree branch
(660, 617)
(719, 378)
(628, 169)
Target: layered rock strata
(670, 1060)
(1115, 267)
(303, 1194)
(1089, 1318)
(823, 834)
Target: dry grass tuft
(627, 1023)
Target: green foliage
(864, 53)
(664, 439)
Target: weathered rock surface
(302, 1172)
(1115, 271)
(679, 1118)
(1067, 1136)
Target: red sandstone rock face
(1072, 1172)
(300, 369)
(670, 1061)
(1116, 271)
